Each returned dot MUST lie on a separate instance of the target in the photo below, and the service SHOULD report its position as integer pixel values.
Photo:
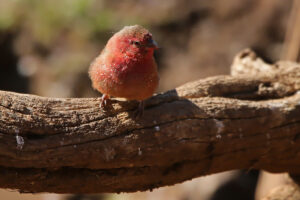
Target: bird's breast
(133, 80)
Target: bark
(250, 119)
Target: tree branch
(248, 120)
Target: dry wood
(248, 120)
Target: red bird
(126, 66)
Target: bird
(126, 67)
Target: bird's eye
(135, 43)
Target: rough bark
(250, 119)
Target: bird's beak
(152, 44)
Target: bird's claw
(140, 110)
(103, 101)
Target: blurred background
(46, 48)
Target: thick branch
(248, 120)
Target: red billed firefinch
(126, 67)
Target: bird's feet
(103, 101)
(140, 110)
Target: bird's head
(133, 40)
